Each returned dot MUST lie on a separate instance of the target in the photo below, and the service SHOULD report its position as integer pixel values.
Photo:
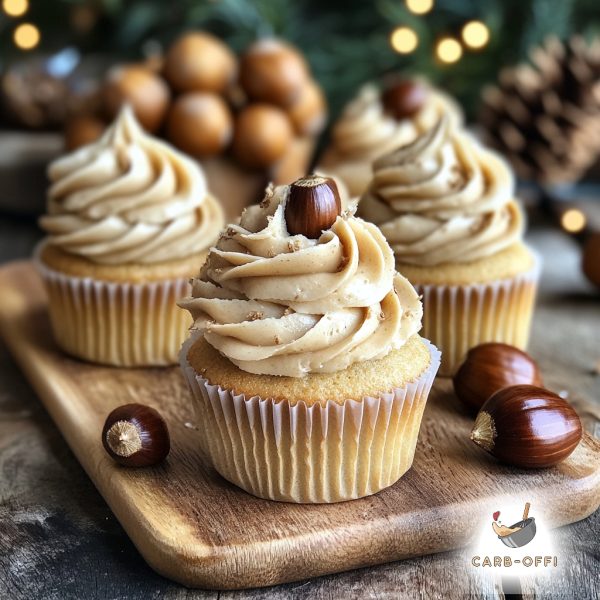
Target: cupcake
(307, 371)
(376, 122)
(129, 222)
(446, 206)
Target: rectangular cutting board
(194, 527)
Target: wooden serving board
(194, 527)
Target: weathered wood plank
(58, 539)
(194, 527)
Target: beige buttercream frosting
(281, 304)
(366, 130)
(130, 197)
(444, 198)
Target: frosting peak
(443, 198)
(130, 197)
(281, 304)
(366, 129)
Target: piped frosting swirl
(365, 129)
(443, 198)
(281, 304)
(130, 197)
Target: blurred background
(459, 44)
(527, 73)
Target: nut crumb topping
(269, 193)
(294, 245)
(343, 263)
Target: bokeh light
(26, 36)
(404, 40)
(573, 220)
(448, 50)
(475, 34)
(15, 8)
(419, 7)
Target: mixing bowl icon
(519, 538)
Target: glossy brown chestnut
(313, 205)
(135, 435)
(404, 98)
(490, 367)
(591, 258)
(527, 426)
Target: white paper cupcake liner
(302, 453)
(459, 317)
(118, 324)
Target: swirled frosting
(130, 197)
(366, 130)
(443, 198)
(281, 304)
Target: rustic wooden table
(58, 539)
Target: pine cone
(545, 117)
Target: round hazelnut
(135, 435)
(200, 123)
(272, 71)
(309, 111)
(137, 85)
(82, 130)
(262, 135)
(591, 258)
(198, 61)
(490, 367)
(313, 205)
(404, 98)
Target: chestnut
(272, 71)
(313, 204)
(527, 426)
(590, 263)
(262, 135)
(404, 98)
(135, 435)
(490, 367)
(82, 130)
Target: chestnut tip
(135, 435)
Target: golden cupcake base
(459, 317)
(118, 323)
(307, 452)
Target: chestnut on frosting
(443, 198)
(280, 304)
(130, 197)
(368, 128)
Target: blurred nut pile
(207, 102)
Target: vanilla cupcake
(307, 370)
(129, 222)
(446, 206)
(376, 122)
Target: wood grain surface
(194, 527)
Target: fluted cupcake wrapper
(459, 317)
(302, 453)
(118, 324)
